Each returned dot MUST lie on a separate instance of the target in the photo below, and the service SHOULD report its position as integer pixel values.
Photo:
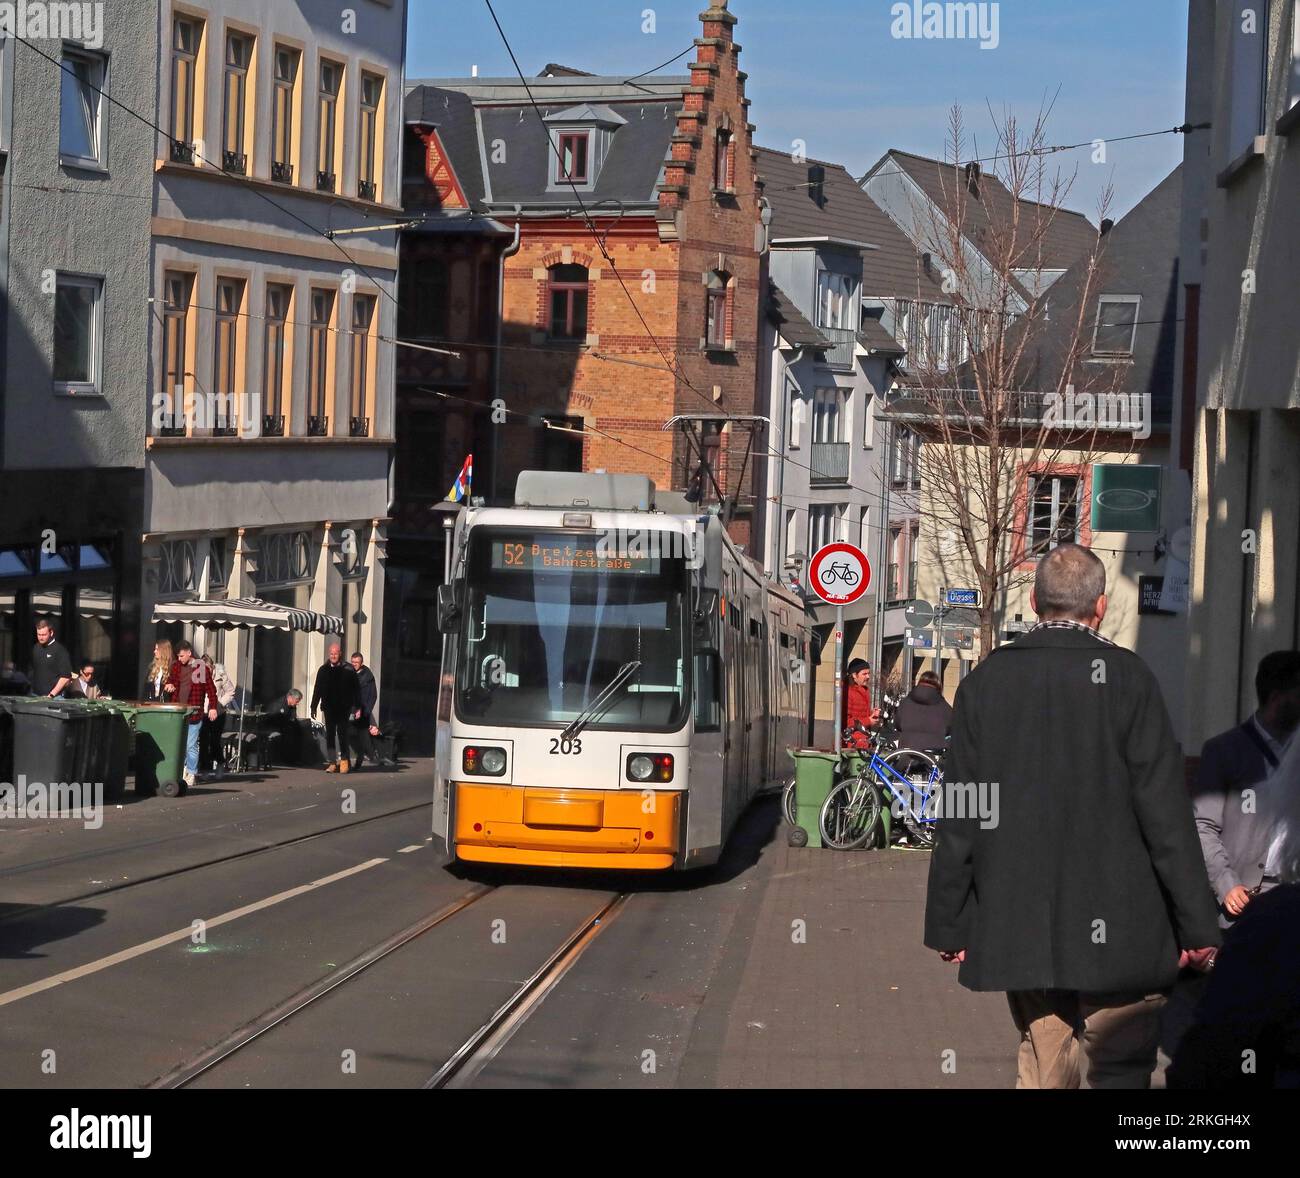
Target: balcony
(182, 152)
(281, 173)
(318, 427)
(273, 425)
(358, 427)
(366, 189)
(324, 181)
(843, 344)
(830, 463)
(234, 162)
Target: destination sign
(560, 555)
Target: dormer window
(571, 162)
(580, 140)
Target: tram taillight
(483, 762)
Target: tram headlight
(656, 767)
(482, 762)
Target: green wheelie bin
(814, 775)
(159, 748)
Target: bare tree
(998, 388)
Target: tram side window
(708, 705)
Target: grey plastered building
(270, 351)
(74, 290)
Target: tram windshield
(551, 617)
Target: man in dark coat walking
(336, 694)
(1080, 891)
(363, 718)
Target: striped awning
(243, 613)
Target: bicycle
(914, 779)
(839, 571)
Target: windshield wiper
(624, 673)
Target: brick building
(633, 292)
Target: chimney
(926, 263)
(817, 185)
(1106, 226)
(973, 179)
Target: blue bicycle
(910, 778)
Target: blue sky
(829, 72)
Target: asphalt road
(129, 950)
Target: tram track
(249, 852)
(478, 1048)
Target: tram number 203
(567, 748)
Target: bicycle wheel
(850, 815)
(926, 781)
(788, 808)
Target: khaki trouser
(1119, 1034)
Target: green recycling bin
(117, 736)
(159, 747)
(814, 775)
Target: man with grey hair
(1084, 894)
(337, 694)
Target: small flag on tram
(460, 489)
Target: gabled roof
(893, 269)
(552, 70)
(794, 327)
(493, 119)
(1068, 235)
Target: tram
(619, 680)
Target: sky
(830, 72)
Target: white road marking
(184, 934)
(300, 809)
(412, 847)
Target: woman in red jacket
(857, 702)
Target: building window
(864, 527)
(566, 287)
(894, 582)
(797, 411)
(835, 297)
(1054, 512)
(571, 161)
(825, 525)
(372, 88)
(282, 109)
(78, 327)
(226, 358)
(1249, 77)
(424, 300)
(239, 52)
(327, 100)
(829, 415)
(179, 569)
(1293, 82)
(363, 317)
(318, 363)
(187, 34)
(275, 372)
(791, 541)
(175, 341)
(81, 106)
(904, 443)
(913, 559)
(722, 161)
(1116, 326)
(716, 334)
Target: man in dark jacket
(1232, 815)
(363, 718)
(1080, 891)
(190, 685)
(336, 694)
(51, 663)
(924, 717)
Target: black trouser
(361, 741)
(336, 735)
(210, 742)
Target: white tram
(619, 680)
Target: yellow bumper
(565, 828)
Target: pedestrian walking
(1246, 1030)
(159, 671)
(51, 663)
(190, 684)
(363, 723)
(1075, 884)
(1236, 771)
(857, 709)
(924, 717)
(336, 695)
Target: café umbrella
(249, 614)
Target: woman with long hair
(159, 669)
